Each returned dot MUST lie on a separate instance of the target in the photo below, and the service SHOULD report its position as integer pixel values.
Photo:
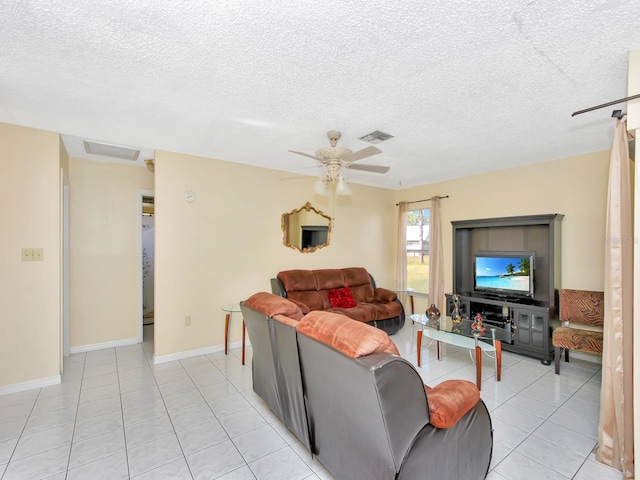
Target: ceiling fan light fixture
(321, 187)
(342, 187)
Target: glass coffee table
(462, 335)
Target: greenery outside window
(418, 250)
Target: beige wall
(574, 186)
(227, 244)
(633, 86)
(104, 236)
(29, 291)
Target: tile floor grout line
(75, 423)
(222, 426)
(175, 433)
(19, 437)
(124, 432)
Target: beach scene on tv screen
(503, 273)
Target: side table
(230, 309)
(409, 292)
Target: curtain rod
(608, 104)
(425, 200)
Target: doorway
(146, 260)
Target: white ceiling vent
(111, 150)
(376, 137)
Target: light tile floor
(117, 416)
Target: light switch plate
(32, 254)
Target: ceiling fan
(335, 159)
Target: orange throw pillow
(450, 401)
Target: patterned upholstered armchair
(579, 309)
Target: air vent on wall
(376, 137)
(111, 150)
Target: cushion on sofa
(272, 305)
(359, 281)
(302, 306)
(367, 312)
(298, 280)
(341, 298)
(301, 286)
(450, 400)
(353, 339)
(329, 278)
(383, 295)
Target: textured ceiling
(465, 86)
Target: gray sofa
(340, 386)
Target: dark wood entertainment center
(528, 319)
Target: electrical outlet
(187, 320)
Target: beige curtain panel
(401, 264)
(615, 432)
(436, 257)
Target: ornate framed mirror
(306, 229)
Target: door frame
(65, 284)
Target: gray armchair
(371, 416)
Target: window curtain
(436, 257)
(615, 431)
(401, 265)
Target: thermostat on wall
(189, 196)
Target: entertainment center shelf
(527, 318)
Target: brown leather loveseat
(341, 387)
(326, 289)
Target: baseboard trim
(21, 387)
(172, 357)
(103, 345)
(587, 357)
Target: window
(418, 250)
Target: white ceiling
(465, 86)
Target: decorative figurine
(477, 323)
(432, 313)
(456, 316)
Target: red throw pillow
(341, 298)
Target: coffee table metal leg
(227, 320)
(478, 367)
(498, 345)
(419, 346)
(243, 336)
(438, 349)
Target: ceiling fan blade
(369, 168)
(306, 155)
(360, 154)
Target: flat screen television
(506, 274)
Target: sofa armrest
(382, 295)
(450, 401)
